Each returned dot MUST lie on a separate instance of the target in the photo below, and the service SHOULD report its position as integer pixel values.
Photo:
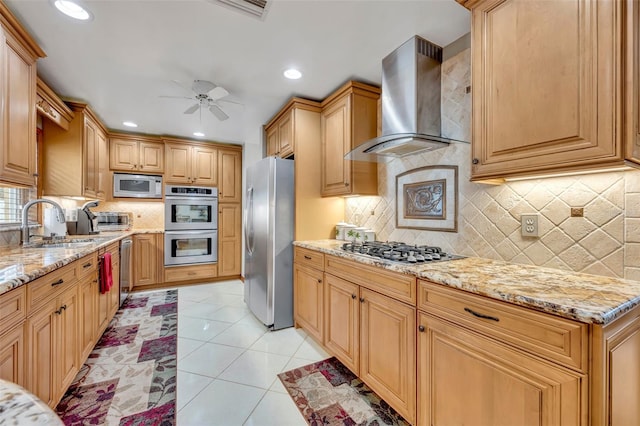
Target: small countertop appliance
(86, 221)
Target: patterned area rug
(327, 393)
(130, 377)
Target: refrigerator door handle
(248, 222)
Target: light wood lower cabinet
(12, 355)
(374, 336)
(147, 259)
(308, 300)
(88, 291)
(467, 378)
(53, 346)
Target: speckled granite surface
(20, 265)
(19, 407)
(582, 297)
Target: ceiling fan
(207, 95)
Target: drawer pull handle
(63, 307)
(55, 283)
(87, 265)
(307, 257)
(353, 296)
(421, 329)
(483, 316)
(59, 311)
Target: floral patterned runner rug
(130, 376)
(328, 393)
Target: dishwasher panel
(125, 269)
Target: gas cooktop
(399, 252)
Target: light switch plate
(529, 225)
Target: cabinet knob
(353, 296)
(319, 281)
(141, 166)
(475, 161)
(421, 328)
(346, 184)
(362, 300)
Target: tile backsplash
(605, 241)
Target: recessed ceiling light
(198, 134)
(292, 74)
(72, 9)
(129, 124)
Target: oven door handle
(248, 222)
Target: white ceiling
(122, 60)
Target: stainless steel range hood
(411, 117)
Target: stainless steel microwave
(137, 186)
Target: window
(11, 202)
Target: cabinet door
(102, 165)
(229, 239)
(90, 164)
(151, 157)
(42, 353)
(335, 122)
(67, 337)
(273, 143)
(229, 176)
(114, 293)
(285, 135)
(388, 350)
(178, 158)
(89, 313)
(547, 85)
(342, 321)
(12, 355)
(205, 166)
(18, 153)
(145, 260)
(466, 378)
(308, 300)
(123, 154)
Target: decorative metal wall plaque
(427, 198)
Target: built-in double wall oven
(191, 225)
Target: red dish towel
(106, 276)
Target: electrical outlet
(529, 225)
(373, 212)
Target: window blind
(11, 202)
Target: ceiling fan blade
(192, 109)
(182, 86)
(175, 97)
(218, 93)
(202, 87)
(230, 102)
(220, 114)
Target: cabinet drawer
(308, 258)
(86, 266)
(188, 273)
(44, 288)
(13, 308)
(557, 339)
(392, 284)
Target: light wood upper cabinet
(229, 176)
(76, 161)
(280, 135)
(136, 154)
(548, 87)
(190, 163)
(229, 239)
(348, 118)
(18, 55)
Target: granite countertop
(581, 297)
(19, 407)
(20, 265)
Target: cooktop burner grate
(400, 252)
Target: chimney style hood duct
(410, 104)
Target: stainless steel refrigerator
(268, 230)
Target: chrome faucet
(25, 216)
